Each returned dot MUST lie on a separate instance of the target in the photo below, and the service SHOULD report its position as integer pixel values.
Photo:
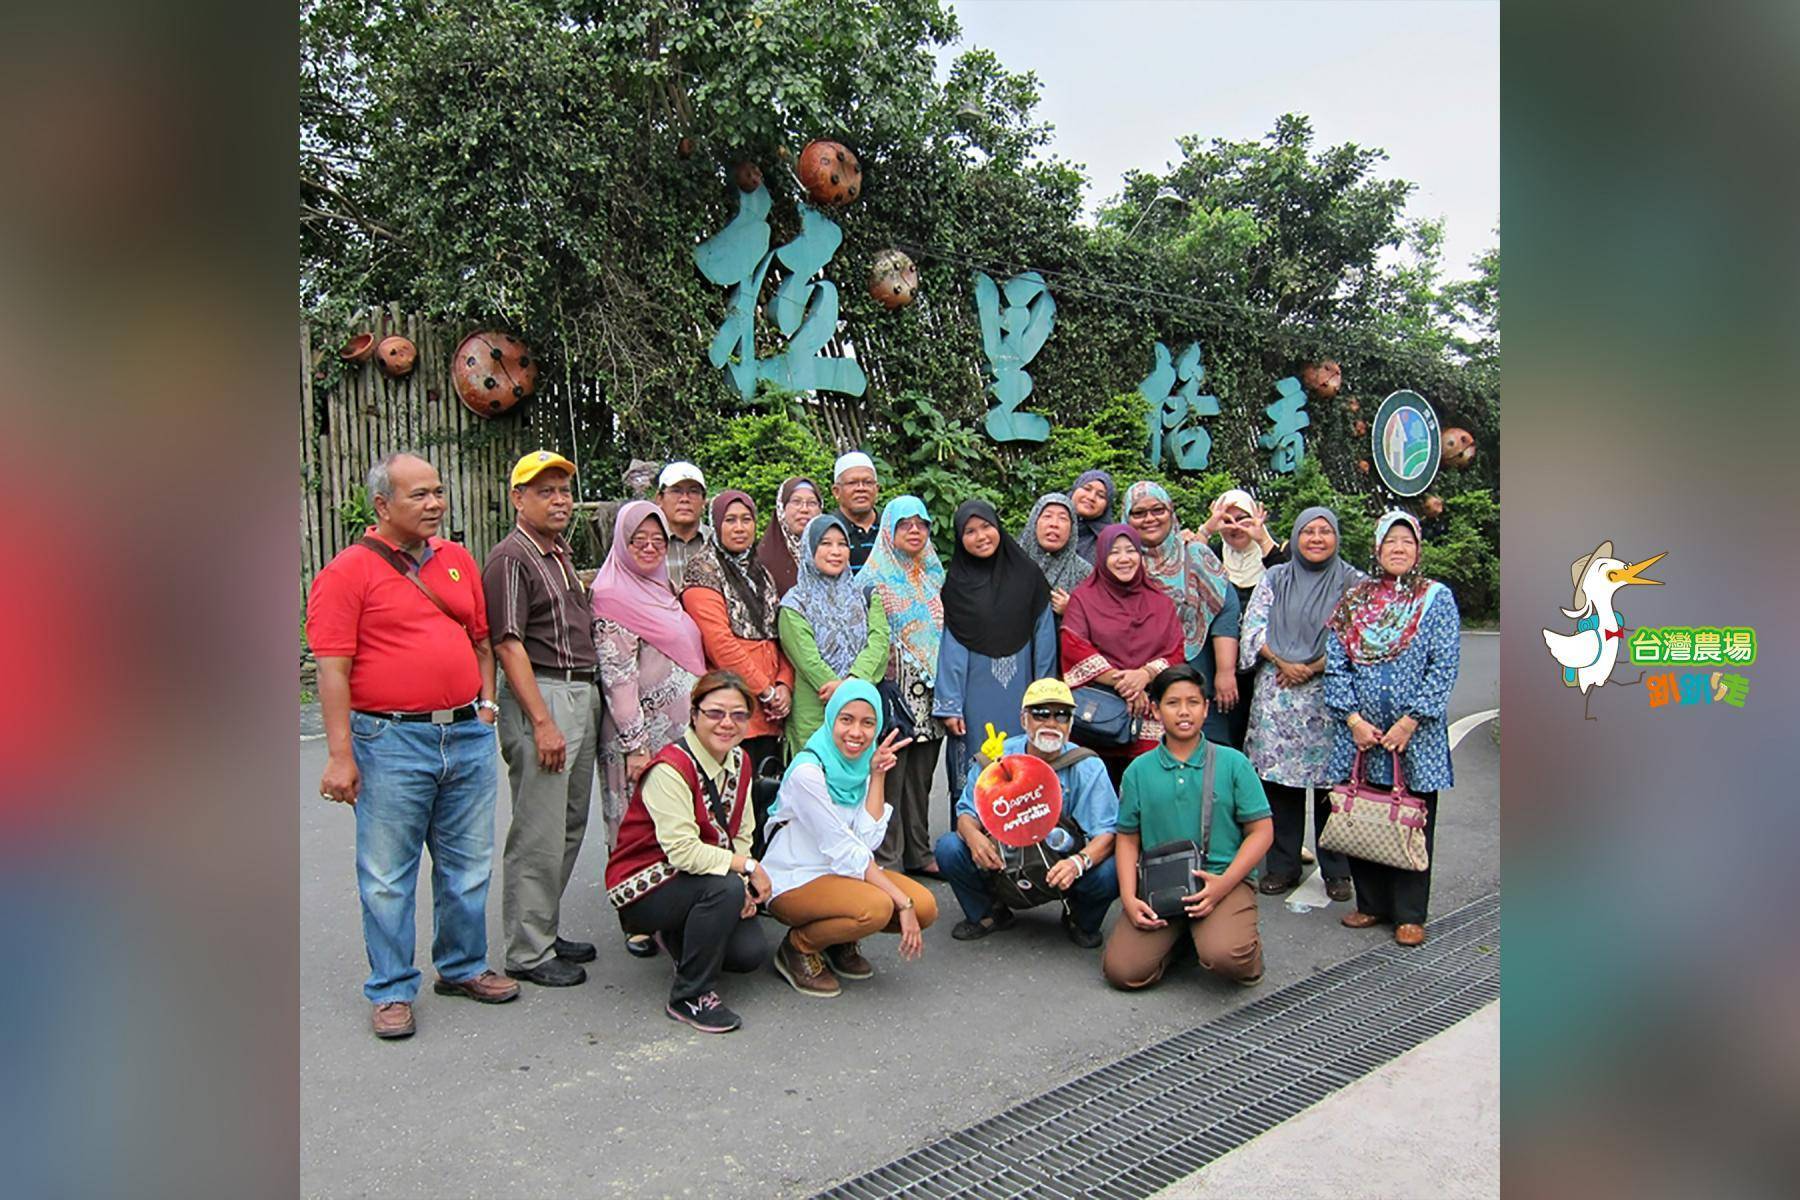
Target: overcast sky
(1121, 79)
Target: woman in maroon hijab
(1120, 631)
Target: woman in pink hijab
(650, 655)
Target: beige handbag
(1382, 825)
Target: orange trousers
(833, 910)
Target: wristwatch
(489, 705)
(750, 865)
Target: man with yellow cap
(1083, 876)
(543, 633)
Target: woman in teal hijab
(825, 826)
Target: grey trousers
(549, 816)
(908, 842)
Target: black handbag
(895, 712)
(1103, 720)
(1023, 880)
(1166, 872)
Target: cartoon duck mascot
(1588, 655)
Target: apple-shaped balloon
(1019, 799)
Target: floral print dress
(1290, 736)
(647, 700)
(1417, 681)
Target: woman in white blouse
(824, 829)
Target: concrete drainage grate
(1103, 1135)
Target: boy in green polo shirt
(1160, 801)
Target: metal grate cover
(1102, 1135)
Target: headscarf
(992, 604)
(779, 551)
(1188, 572)
(1066, 567)
(1132, 622)
(911, 588)
(1088, 528)
(846, 779)
(1243, 567)
(835, 608)
(1379, 615)
(641, 601)
(751, 600)
(1305, 594)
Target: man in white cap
(853, 484)
(681, 491)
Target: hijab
(1304, 595)
(1188, 572)
(1243, 567)
(992, 604)
(910, 588)
(835, 608)
(641, 600)
(750, 597)
(1130, 622)
(779, 551)
(1379, 615)
(846, 779)
(1088, 528)
(1063, 568)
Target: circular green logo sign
(1405, 443)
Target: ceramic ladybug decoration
(747, 175)
(830, 174)
(1459, 448)
(492, 372)
(396, 356)
(1322, 380)
(359, 348)
(1362, 464)
(893, 279)
(1361, 428)
(1353, 404)
(1434, 506)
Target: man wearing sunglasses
(1086, 879)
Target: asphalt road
(593, 1091)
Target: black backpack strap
(1206, 802)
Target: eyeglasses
(718, 716)
(1062, 716)
(1160, 510)
(649, 543)
(910, 524)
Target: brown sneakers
(393, 1020)
(807, 972)
(847, 962)
(486, 987)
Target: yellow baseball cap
(1048, 691)
(536, 463)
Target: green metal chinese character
(1171, 407)
(1289, 415)
(1010, 339)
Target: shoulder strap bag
(410, 570)
(1166, 872)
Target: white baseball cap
(680, 472)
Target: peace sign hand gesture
(888, 752)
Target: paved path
(591, 1090)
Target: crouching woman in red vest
(681, 868)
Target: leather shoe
(1410, 935)
(552, 972)
(1086, 939)
(1359, 920)
(1340, 889)
(393, 1020)
(847, 961)
(576, 952)
(1271, 886)
(486, 987)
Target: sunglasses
(1064, 715)
(718, 716)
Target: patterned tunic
(1418, 681)
(1290, 735)
(647, 701)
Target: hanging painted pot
(1362, 464)
(829, 173)
(684, 148)
(748, 176)
(893, 279)
(358, 349)
(1459, 448)
(1434, 506)
(493, 371)
(1322, 380)
(396, 355)
(1353, 404)
(1361, 428)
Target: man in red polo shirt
(406, 682)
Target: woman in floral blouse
(1289, 739)
(1389, 669)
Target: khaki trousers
(834, 910)
(549, 816)
(1225, 941)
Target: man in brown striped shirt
(543, 634)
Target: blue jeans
(1089, 899)
(423, 785)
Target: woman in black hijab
(999, 635)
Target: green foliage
(1288, 496)
(356, 513)
(1463, 551)
(756, 451)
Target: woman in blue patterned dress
(1388, 674)
(1289, 740)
